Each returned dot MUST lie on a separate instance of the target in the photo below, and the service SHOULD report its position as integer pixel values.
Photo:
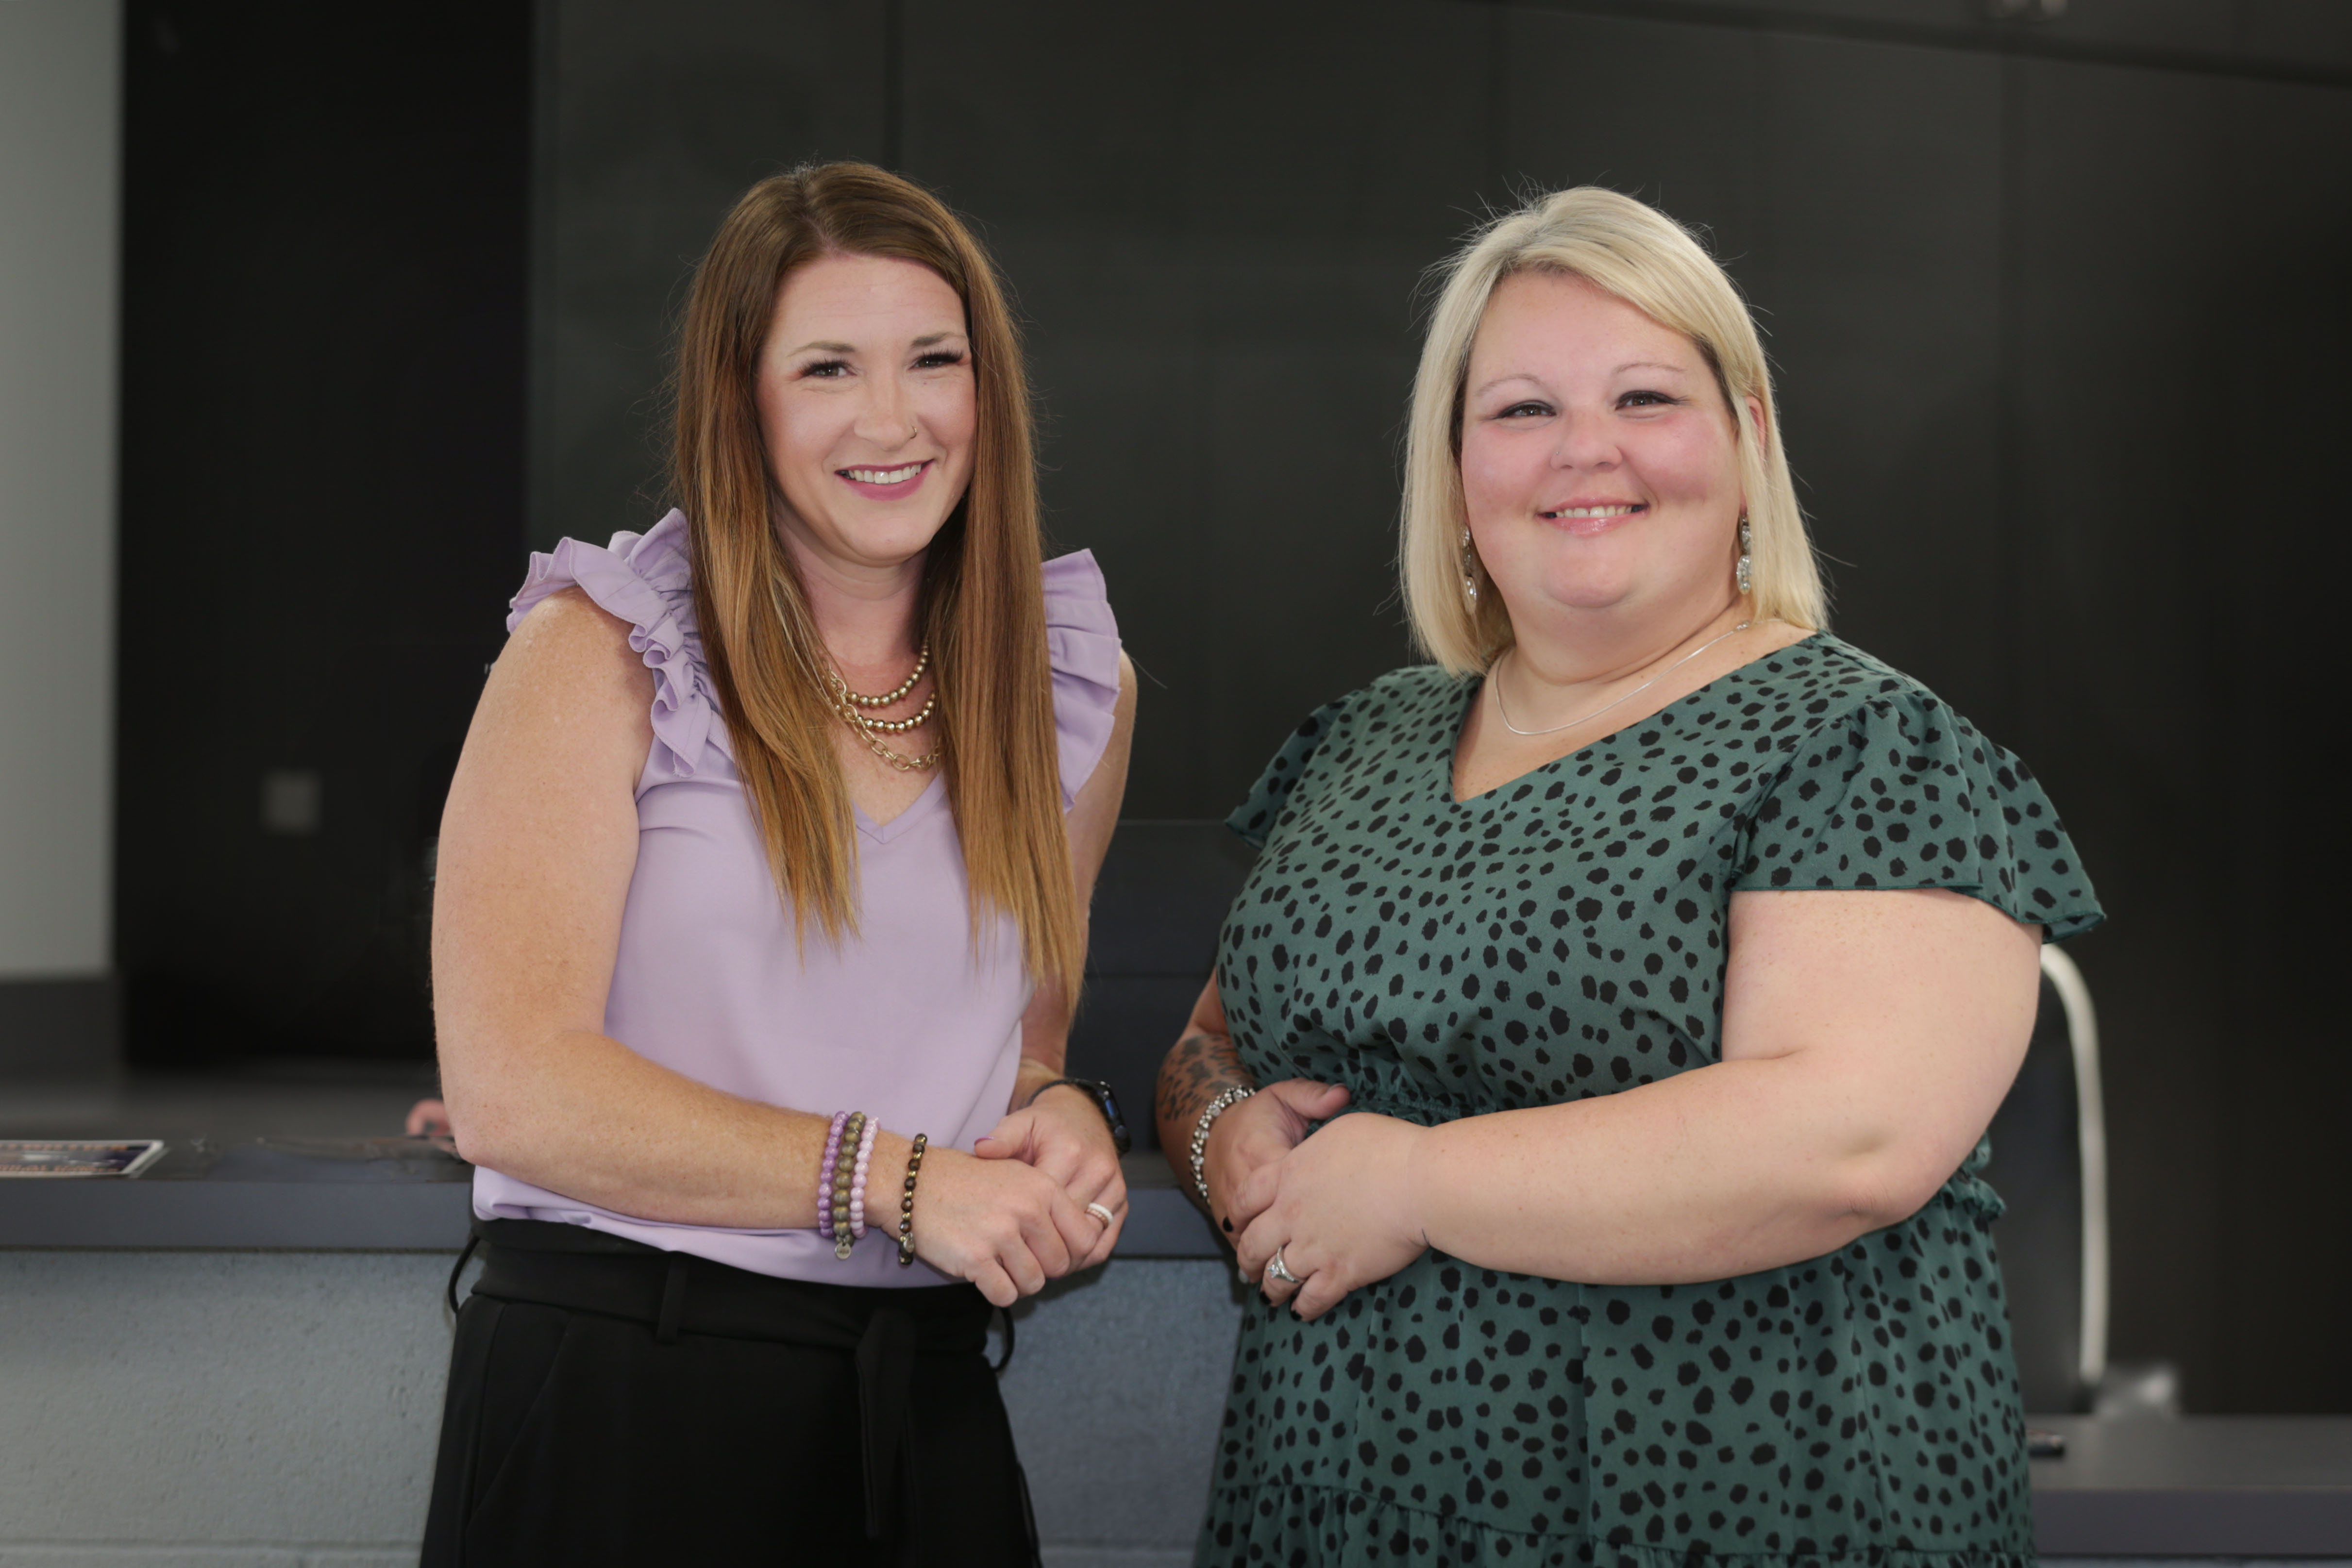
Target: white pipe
(2091, 1150)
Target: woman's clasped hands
(1027, 1205)
(1337, 1207)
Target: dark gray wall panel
(2294, 40)
(2181, 310)
(60, 1027)
(2119, 659)
(2278, 395)
(1217, 248)
(1881, 262)
(1880, 303)
(1583, 101)
(653, 120)
(325, 230)
(2296, 30)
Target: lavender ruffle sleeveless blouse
(908, 1021)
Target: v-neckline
(920, 806)
(1471, 691)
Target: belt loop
(473, 1240)
(673, 1305)
(1004, 1315)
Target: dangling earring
(1743, 553)
(1469, 574)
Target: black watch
(1105, 1101)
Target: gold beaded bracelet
(906, 1202)
(844, 1167)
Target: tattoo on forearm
(1200, 1067)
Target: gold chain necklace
(1629, 696)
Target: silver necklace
(1629, 696)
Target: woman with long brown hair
(761, 912)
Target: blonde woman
(1595, 1071)
(766, 865)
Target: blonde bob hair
(1642, 256)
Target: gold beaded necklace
(852, 705)
(922, 662)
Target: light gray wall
(220, 1410)
(280, 1409)
(60, 98)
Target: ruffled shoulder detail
(646, 579)
(1082, 646)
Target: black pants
(610, 1403)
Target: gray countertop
(316, 1194)
(2201, 1486)
(395, 1194)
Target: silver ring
(1100, 1212)
(1275, 1270)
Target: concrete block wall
(280, 1409)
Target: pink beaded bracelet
(824, 1174)
(857, 1186)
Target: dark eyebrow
(924, 342)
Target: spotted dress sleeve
(1255, 817)
(1902, 792)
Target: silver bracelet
(1217, 1108)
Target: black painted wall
(326, 216)
(2058, 310)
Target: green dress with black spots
(1564, 937)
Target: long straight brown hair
(982, 601)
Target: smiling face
(1599, 466)
(867, 408)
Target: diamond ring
(1275, 1270)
